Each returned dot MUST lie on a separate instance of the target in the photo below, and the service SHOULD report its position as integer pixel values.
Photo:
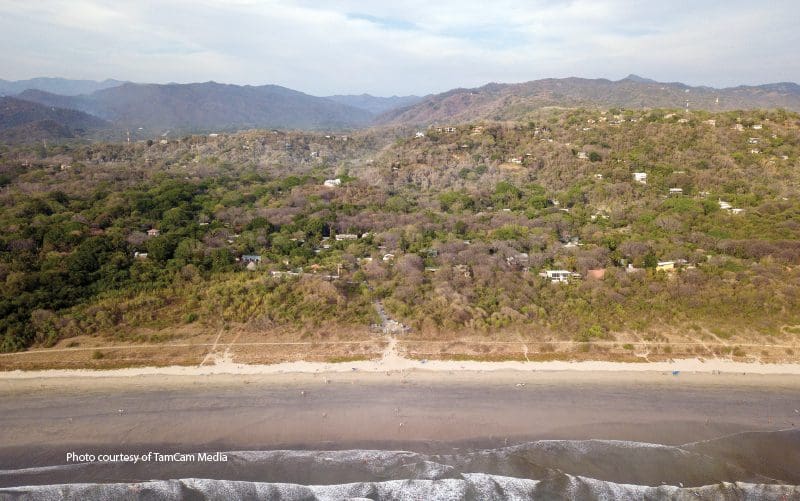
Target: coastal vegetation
(449, 228)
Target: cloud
(411, 46)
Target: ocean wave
(475, 486)
(754, 466)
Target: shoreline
(400, 365)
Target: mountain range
(23, 121)
(156, 109)
(61, 86)
(515, 101)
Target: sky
(400, 47)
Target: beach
(285, 421)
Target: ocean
(748, 466)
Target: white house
(556, 276)
(757, 127)
(640, 177)
(419, 135)
(724, 205)
(332, 183)
(346, 236)
(583, 155)
(676, 191)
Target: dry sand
(392, 362)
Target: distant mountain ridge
(375, 104)
(24, 121)
(62, 86)
(496, 101)
(208, 106)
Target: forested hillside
(498, 101)
(450, 228)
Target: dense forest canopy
(450, 227)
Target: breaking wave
(758, 465)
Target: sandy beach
(392, 361)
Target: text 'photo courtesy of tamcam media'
(147, 457)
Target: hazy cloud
(401, 47)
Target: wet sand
(43, 419)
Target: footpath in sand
(392, 361)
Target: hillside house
(140, 255)
(724, 205)
(558, 276)
(251, 258)
(711, 122)
(449, 130)
(346, 236)
(738, 127)
(758, 127)
(152, 232)
(462, 269)
(640, 177)
(665, 266)
(675, 192)
(520, 260)
(388, 257)
(332, 183)
(582, 155)
(632, 269)
(596, 274)
(419, 135)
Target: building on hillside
(724, 205)
(251, 258)
(665, 266)
(596, 274)
(676, 191)
(388, 257)
(332, 183)
(140, 255)
(152, 232)
(582, 155)
(521, 260)
(419, 134)
(557, 276)
(346, 236)
(640, 177)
